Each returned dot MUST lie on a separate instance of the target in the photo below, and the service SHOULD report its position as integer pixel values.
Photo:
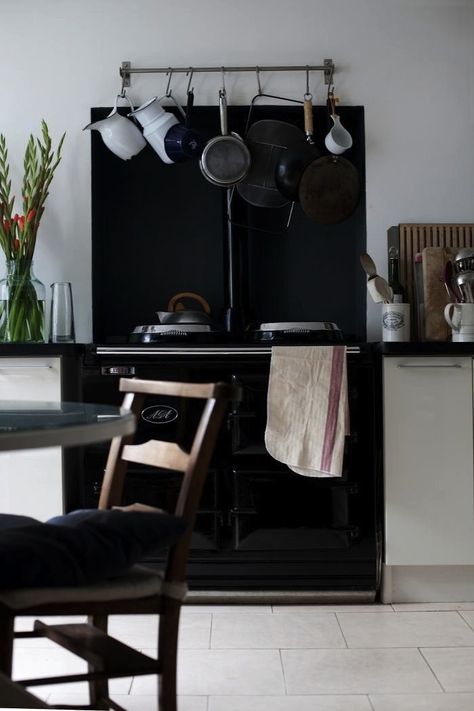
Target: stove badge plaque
(159, 414)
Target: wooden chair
(141, 590)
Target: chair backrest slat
(168, 387)
(156, 453)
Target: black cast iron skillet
(329, 189)
(292, 162)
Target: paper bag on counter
(435, 294)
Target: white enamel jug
(156, 123)
(120, 135)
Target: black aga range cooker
(158, 230)
(260, 527)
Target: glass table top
(25, 424)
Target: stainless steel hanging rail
(327, 67)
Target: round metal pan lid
(173, 327)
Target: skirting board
(279, 597)
(429, 583)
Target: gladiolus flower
(21, 222)
(16, 217)
(30, 215)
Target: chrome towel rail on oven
(190, 350)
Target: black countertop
(425, 348)
(12, 350)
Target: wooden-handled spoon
(368, 265)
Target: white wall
(409, 62)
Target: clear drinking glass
(62, 315)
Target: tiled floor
(294, 658)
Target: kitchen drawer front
(31, 480)
(30, 378)
(428, 453)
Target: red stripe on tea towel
(337, 364)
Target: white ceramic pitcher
(120, 135)
(156, 123)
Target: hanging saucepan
(329, 189)
(267, 140)
(225, 160)
(182, 141)
(300, 154)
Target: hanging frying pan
(292, 163)
(267, 141)
(329, 189)
(225, 159)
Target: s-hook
(190, 73)
(169, 74)
(257, 70)
(124, 84)
(308, 95)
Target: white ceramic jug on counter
(461, 319)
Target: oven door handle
(241, 415)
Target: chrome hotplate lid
(173, 328)
(175, 332)
(301, 331)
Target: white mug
(338, 139)
(395, 322)
(120, 135)
(461, 319)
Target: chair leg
(6, 644)
(98, 688)
(167, 654)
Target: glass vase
(22, 301)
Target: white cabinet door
(31, 480)
(428, 461)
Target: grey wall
(409, 62)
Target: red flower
(16, 217)
(21, 222)
(16, 244)
(30, 216)
(6, 225)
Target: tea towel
(308, 409)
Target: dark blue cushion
(14, 520)
(82, 547)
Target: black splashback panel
(159, 229)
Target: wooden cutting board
(435, 294)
